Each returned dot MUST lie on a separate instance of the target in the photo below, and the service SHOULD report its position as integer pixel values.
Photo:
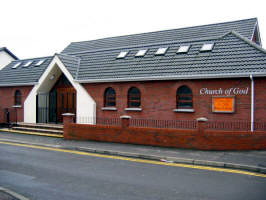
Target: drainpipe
(252, 104)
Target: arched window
(17, 97)
(184, 98)
(134, 100)
(109, 97)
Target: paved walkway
(247, 160)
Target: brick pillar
(125, 121)
(68, 118)
(201, 124)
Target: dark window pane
(109, 97)
(184, 97)
(134, 97)
(17, 97)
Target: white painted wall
(5, 59)
(86, 106)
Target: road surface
(48, 174)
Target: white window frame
(122, 54)
(141, 53)
(183, 49)
(161, 51)
(207, 47)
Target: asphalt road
(51, 175)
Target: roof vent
(122, 54)
(161, 51)
(183, 49)
(27, 63)
(141, 53)
(40, 62)
(207, 47)
(16, 65)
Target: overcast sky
(34, 28)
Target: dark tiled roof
(232, 55)
(23, 75)
(71, 63)
(243, 27)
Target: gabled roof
(232, 56)
(243, 27)
(23, 75)
(71, 62)
(9, 52)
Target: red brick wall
(192, 139)
(7, 101)
(260, 101)
(158, 99)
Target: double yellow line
(137, 160)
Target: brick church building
(216, 71)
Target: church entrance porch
(60, 99)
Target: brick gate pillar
(68, 118)
(201, 124)
(125, 121)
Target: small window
(16, 65)
(183, 49)
(134, 98)
(109, 97)
(17, 98)
(122, 54)
(27, 63)
(141, 53)
(161, 51)
(207, 47)
(184, 98)
(40, 62)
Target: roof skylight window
(27, 63)
(40, 62)
(16, 65)
(141, 53)
(207, 47)
(161, 51)
(122, 54)
(183, 49)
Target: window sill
(109, 108)
(133, 109)
(184, 110)
(16, 106)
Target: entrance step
(41, 128)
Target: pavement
(254, 161)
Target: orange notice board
(223, 104)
